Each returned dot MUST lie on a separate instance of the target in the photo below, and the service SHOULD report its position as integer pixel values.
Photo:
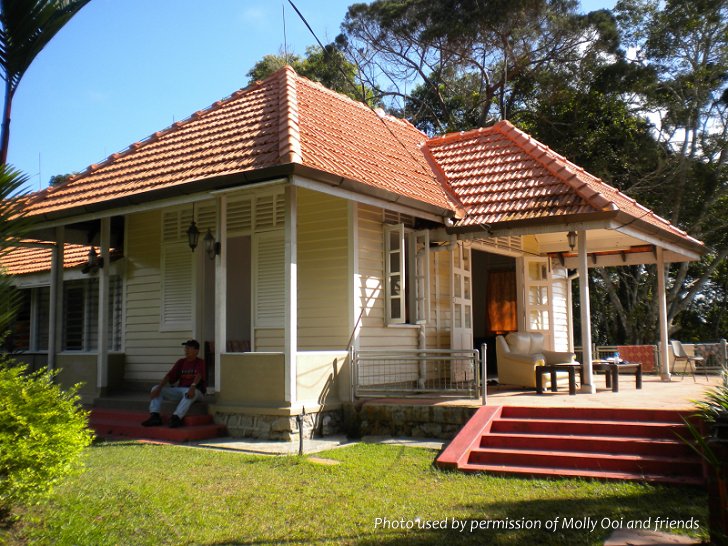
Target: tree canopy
(26, 27)
(637, 96)
(327, 66)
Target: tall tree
(451, 62)
(327, 66)
(26, 27)
(685, 45)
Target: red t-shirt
(184, 371)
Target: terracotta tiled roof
(486, 176)
(501, 174)
(23, 260)
(285, 119)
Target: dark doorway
(494, 302)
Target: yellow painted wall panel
(324, 306)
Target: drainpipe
(299, 422)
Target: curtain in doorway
(501, 301)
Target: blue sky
(121, 70)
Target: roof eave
(186, 188)
(361, 188)
(685, 245)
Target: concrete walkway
(310, 446)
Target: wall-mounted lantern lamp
(193, 235)
(571, 237)
(212, 247)
(94, 262)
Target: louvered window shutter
(176, 294)
(176, 287)
(269, 280)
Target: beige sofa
(518, 355)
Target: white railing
(440, 372)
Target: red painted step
(605, 443)
(584, 427)
(121, 423)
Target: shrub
(43, 431)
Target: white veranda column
(662, 304)
(102, 363)
(55, 307)
(221, 291)
(291, 292)
(586, 337)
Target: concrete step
(560, 427)
(556, 472)
(111, 423)
(596, 414)
(139, 402)
(628, 463)
(589, 444)
(599, 443)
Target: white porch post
(55, 307)
(291, 296)
(586, 337)
(221, 290)
(662, 303)
(102, 362)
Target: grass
(135, 493)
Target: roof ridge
(359, 104)
(566, 171)
(289, 143)
(461, 211)
(448, 138)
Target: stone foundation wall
(277, 427)
(381, 419)
(356, 420)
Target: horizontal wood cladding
(149, 352)
(324, 308)
(374, 333)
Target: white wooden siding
(374, 333)
(559, 310)
(149, 351)
(323, 283)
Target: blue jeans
(175, 394)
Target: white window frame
(409, 252)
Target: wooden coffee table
(613, 369)
(552, 369)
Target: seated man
(188, 373)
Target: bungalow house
(322, 226)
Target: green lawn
(135, 494)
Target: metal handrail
(440, 372)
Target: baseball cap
(192, 343)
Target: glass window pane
(395, 306)
(538, 319)
(458, 316)
(394, 242)
(395, 286)
(458, 286)
(394, 263)
(538, 295)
